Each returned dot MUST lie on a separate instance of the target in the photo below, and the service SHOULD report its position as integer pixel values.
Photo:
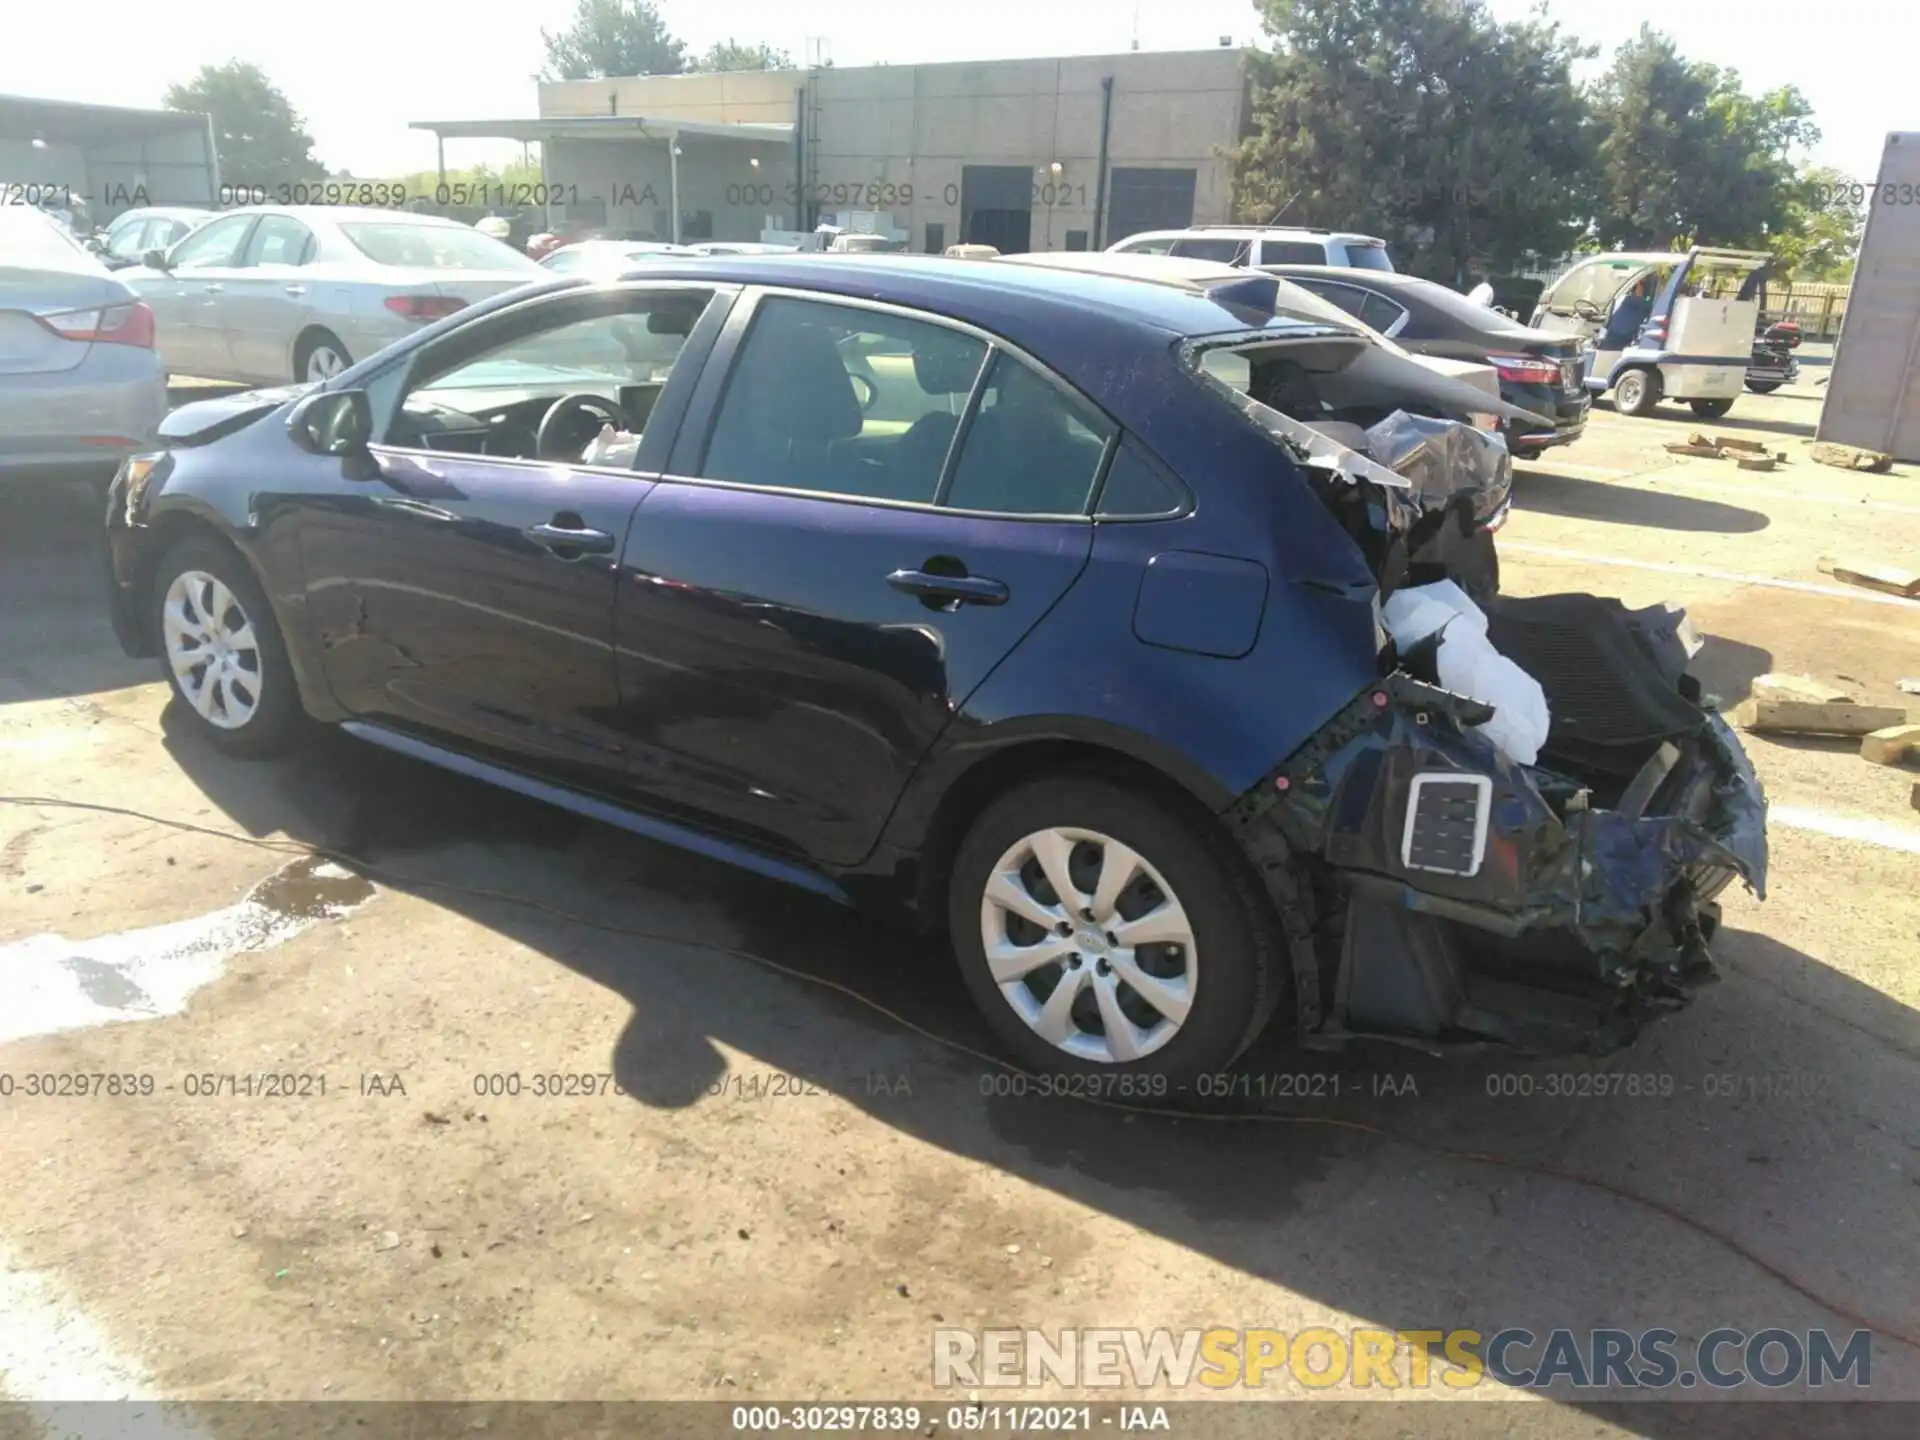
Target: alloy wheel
(1089, 945)
(212, 649)
(324, 363)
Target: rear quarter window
(1292, 252)
(1137, 488)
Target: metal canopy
(25, 117)
(602, 127)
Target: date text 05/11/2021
(972, 1418)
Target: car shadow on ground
(1403, 1190)
(1726, 669)
(1542, 488)
(57, 641)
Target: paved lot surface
(403, 1235)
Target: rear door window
(279, 240)
(1031, 449)
(1368, 257)
(1227, 252)
(1349, 298)
(1292, 252)
(844, 401)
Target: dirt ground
(787, 1175)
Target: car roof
(349, 213)
(1383, 278)
(1024, 303)
(1256, 232)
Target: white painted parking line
(1846, 827)
(1732, 577)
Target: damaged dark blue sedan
(1048, 608)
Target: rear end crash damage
(1454, 896)
(1421, 494)
(1448, 874)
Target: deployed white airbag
(1469, 665)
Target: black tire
(1637, 399)
(1238, 953)
(312, 342)
(1764, 387)
(1710, 409)
(277, 717)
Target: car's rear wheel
(1710, 409)
(319, 356)
(1104, 932)
(1636, 392)
(225, 657)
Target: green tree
(1461, 140)
(731, 55)
(261, 140)
(1688, 156)
(614, 37)
(1826, 218)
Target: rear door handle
(296, 289)
(954, 589)
(213, 289)
(568, 533)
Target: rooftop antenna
(1136, 27)
(819, 51)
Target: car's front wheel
(1764, 387)
(1104, 932)
(225, 657)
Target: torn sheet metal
(1625, 899)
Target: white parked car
(608, 257)
(1261, 245)
(266, 294)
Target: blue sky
(370, 66)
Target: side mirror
(333, 422)
(154, 260)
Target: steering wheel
(556, 440)
(1587, 310)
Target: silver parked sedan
(80, 383)
(270, 293)
(134, 232)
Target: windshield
(432, 247)
(626, 349)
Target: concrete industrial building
(114, 158)
(1057, 154)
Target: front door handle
(295, 289)
(950, 589)
(213, 289)
(568, 537)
